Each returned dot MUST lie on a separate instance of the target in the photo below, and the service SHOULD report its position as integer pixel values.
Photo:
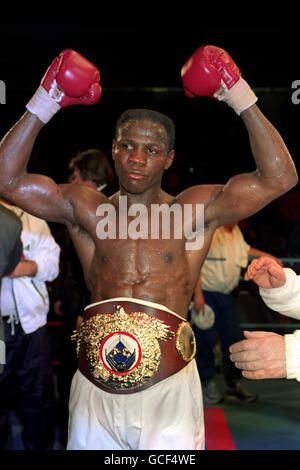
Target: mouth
(135, 175)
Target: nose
(137, 156)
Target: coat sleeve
(11, 247)
(292, 355)
(45, 252)
(284, 299)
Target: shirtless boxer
(140, 289)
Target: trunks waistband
(127, 345)
(144, 303)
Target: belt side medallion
(185, 341)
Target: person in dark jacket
(11, 249)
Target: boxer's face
(140, 152)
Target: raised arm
(37, 194)
(212, 72)
(275, 172)
(70, 79)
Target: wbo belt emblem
(120, 353)
(122, 350)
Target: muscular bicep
(36, 194)
(242, 196)
(275, 173)
(41, 196)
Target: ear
(113, 149)
(169, 159)
(90, 184)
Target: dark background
(140, 67)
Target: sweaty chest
(139, 260)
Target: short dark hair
(93, 165)
(152, 116)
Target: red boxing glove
(210, 71)
(70, 79)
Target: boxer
(137, 385)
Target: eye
(125, 146)
(152, 150)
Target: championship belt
(125, 345)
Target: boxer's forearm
(15, 150)
(70, 79)
(275, 168)
(37, 194)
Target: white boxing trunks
(166, 416)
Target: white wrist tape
(239, 97)
(42, 105)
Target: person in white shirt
(267, 355)
(220, 275)
(27, 374)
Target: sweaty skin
(157, 270)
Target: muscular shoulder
(201, 194)
(83, 202)
(83, 196)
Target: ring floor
(270, 423)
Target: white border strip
(139, 301)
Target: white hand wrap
(239, 97)
(43, 105)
